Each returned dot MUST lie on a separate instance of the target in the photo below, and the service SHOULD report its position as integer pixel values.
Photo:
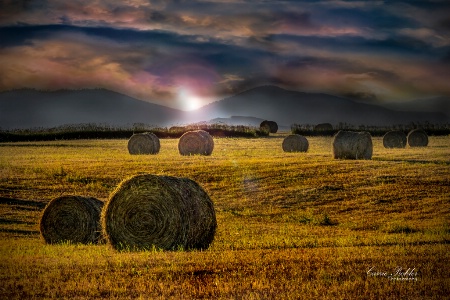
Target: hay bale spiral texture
(144, 143)
(196, 142)
(73, 219)
(394, 139)
(295, 143)
(352, 145)
(149, 211)
(417, 138)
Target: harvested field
(289, 226)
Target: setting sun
(192, 103)
(188, 101)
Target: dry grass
(290, 225)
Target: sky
(185, 54)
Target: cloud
(146, 65)
(427, 36)
(152, 49)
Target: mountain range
(20, 109)
(30, 108)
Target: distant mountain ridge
(31, 109)
(289, 107)
(433, 104)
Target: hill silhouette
(22, 109)
(434, 104)
(288, 107)
(30, 109)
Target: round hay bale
(323, 127)
(273, 127)
(417, 138)
(352, 145)
(149, 211)
(269, 126)
(143, 143)
(264, 126)
(394, 139)
(196, 142)
(295, 143)
(73, 219)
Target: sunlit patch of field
(290, 225)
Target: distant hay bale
(269, 126)
(143, 143)
(394, 139)
(73, 219)
(295, 143)
(196, 142)
(417, 138)
(273, 127)
(323, 127)
(149, 211)
(352, 145)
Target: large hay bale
(73, 219)
(149, 211)
(295, 143)
(394, 139)
(196, 142)
(352, 145)
(417, 138)
(269, 126)
(144, 143)
(323, 127)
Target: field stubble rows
(290, 225)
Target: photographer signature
(399, 274)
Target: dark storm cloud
(16, 36)
(379, 18)
(395, 44)
(178, 48)
(371, 50)
(19, 35)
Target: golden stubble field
(290, 225)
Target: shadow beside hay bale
(73, 219)
(295, 143)
(196, 142)
(144, 143)
(417, 138)
(394, 139)
(352, 145)
(162, 212)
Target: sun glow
(193, 102)
(189, 101)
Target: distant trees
(326, 130)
